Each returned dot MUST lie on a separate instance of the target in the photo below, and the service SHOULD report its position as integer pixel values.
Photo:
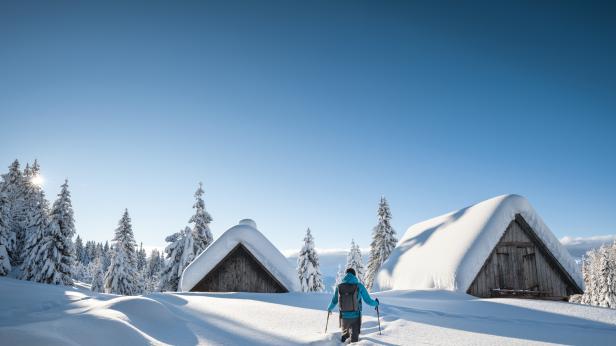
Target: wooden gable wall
(521, 265)
(239, 271)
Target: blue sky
(303, 114)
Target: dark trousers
(351, 328)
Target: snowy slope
(448, 251)
(37, 314)
(247, 234)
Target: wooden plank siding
(521, 265)
(239, 271)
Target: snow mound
(246, 234)
(448, 251)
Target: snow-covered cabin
(498, 247)
(240, 260)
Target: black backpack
(347, 297)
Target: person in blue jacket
(351, 320)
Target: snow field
(34, 313)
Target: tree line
(36, 244)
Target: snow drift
(38, 314)
(448, 251)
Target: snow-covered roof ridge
(447, 252)
(247, 234)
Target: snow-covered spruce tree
(599, 271)
(141, 259)
(51, 264)
(14, 191)
(611, 279)
(89, 252)
(79, 250)
(56, 251)
(607, 282)
(106, 256)
(50, 259)
(100, 254)
(98, 279)
(152, 271)
(585, 299)
(125, 237)
(592, 289)
(37, 228)
(201, 223)
(155, 262)
(308, 266)
(355, 261)
(603, 268)
(5, 236)
(179, 254)
(339, 276)
(383, 242)
(122, 276)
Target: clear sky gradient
(302, 114)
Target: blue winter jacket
(363, 294)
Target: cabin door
(505, 267)
(529, 268)
(517, 268)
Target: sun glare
(37, 180)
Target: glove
(329, 311)
(377, 302)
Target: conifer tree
(153, 268)
(339, 276)
(383, 242)
(155, 262)
(355, 261)
(14, 192)
(201, 220)
(58, 248)
(586, 276)
(141, 258)
(79, 250)
(98, 279)
(99, 250)
(37, 227)
(308, 266)
(106, 256)
(53, 265)
(122, 276)
(179, 254)
(5, 236)
(89, 252)
(599, 272)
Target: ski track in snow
(35, 314)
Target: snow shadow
(312, 301)
(500, 319)
(169, 298)
(154, 319)
(218, 329)
(375, 341)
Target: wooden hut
(496, 248)
(241, 260)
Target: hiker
(349, 295)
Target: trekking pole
(378, 318)
(326, 323)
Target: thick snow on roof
(247, 234)
(447, 252)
